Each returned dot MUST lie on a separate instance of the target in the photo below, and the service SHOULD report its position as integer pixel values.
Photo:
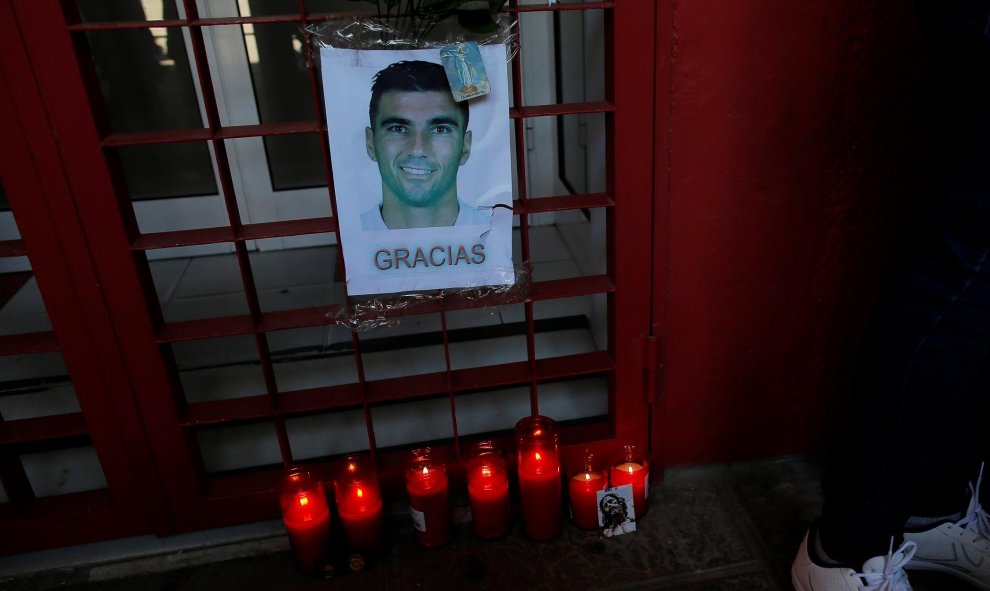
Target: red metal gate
(62, 167)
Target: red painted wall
(794, 157)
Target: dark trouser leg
(921, 357)
(945, 490)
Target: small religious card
(465, 70)
(616, 512)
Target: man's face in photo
(419, 142)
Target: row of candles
(306, 512)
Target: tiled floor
(715, 528)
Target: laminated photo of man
(418, 136)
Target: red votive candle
(429, 498)
(306, 517)
(359, 503)
(488, 487)
(539, 476)
(582, 488)
(630, 466)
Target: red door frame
(129, 333)
(31, 168)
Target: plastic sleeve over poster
(422, 173)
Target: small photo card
(616, 512)
(465, 70)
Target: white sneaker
(880, 573)
(960, 548)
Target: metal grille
(179, 426)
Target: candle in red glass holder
(582, 488)
(630, 466)
(539, 476)
(488, 487)
(306, 517)
(429, 498)
(359, 503)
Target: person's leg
(921, 355)
(960, 453)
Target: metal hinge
(652, 368)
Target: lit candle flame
(538, 432)
(486, 471)
(360, 493)
(426, 470)
(587, 476)
(351, 467)
(303, 501)
(630, 468)
(538, 457)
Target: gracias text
(437, 256)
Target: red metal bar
(230, 132)
(321, 118)
(176, 332)
(571, 287)
(365, 394)
(65, 520)
(199, 22)
(560, 6)
(53, 428)
(449, 379)
(348, 396)
(615, 330)
(175, 238)
(314, 84)
(12, 248)
(155, 240)
(286, 228)
(291, 18)
(172, 332)
(533, 111)
(562, 203)
(230, 199)
(522, 195)
(21, 344)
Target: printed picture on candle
(423, 183)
